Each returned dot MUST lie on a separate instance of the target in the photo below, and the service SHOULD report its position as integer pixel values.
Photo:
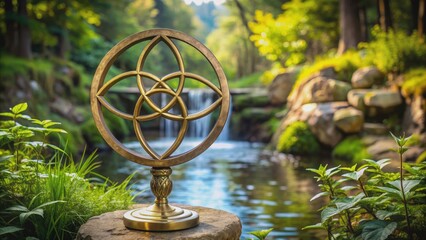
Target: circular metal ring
(99, 89)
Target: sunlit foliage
(304, 27)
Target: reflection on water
(237, 177)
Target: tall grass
(44, 192)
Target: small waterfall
(198, 100)
(168, 127)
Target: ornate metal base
(157, 218)
(161, 216)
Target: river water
(264, 190)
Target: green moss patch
(298, 139)
(351, 149)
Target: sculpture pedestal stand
(161, 220)
(214, 224)
(161, 216)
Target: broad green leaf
(378, 164)
(49, 203)
(315, 226)
(18, 208)
(25, 215)
(382, 214)
(355, 175)
(38, 129)
(56, 130)
(21, 107)
(321, 194)
(261, 234)
(346, 203)
(7, 124)
(34, 143)
(349, 169)
(37, 121)
(9, 229)
(5, 158)
(407, 184)
(23, 116)
(392, 191)
(7, 114)
(49, 124)
(348, 188)
(332, 171)
(328, 212)
(377, 229)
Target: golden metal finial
(160, 216)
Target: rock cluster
(334, 108)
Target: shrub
(373, 204)
(287, 38)
(352, 149)
(395, 51)
(298, 139)
(414, 82)
(44, 193)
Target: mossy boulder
(382, 98)
(349, 120)
(319, 117)
(281, 86)
(298, 139)
(320, 90)
(366, 77)
(356, 98)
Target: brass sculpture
(160, 216)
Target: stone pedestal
(214, 224)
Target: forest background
(50, 49)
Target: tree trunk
(11, 29)
(243, 16)
(63, 44)
(421, 19)
(24, 34)
(385, 18)
(250, 50)
(350, 30)
(363, 23)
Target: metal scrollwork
(160, 86)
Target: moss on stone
(248, 100)
(298, 139)
(351, 149)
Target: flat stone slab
(214, 224)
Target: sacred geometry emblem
(160, 216)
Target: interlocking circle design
(99, 89)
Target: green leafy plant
(261, 234)
(414, 82)
(287, 38)
(44, 193)
(395, 51)
(298, 139)
(366, 202)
